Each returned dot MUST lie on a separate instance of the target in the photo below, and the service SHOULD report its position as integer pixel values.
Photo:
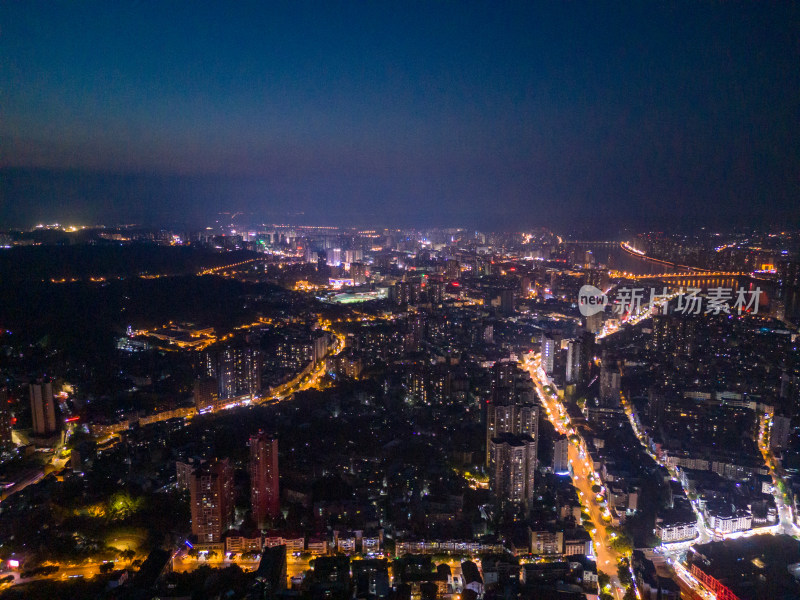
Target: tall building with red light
(264, 492)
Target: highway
(306, 381)
(583, 476)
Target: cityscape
(375, 301)
(399, 413)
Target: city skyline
(490, 413)
(399, 300)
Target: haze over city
(581, 116)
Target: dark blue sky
(480, 114)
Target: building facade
(211, 499)
(43, 409)
(264, 489)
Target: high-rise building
(550, 347)
(358, 272)
(184, 470)
(211, 499)
(452, 270)
(779, 435)
(610, 385)
(334, 257)
(264, 490)
(237, 370)
(578, 359)
(499, 419)
(507, 301)
(43, 409)
(526, 420)
(435, 291)
(512, 468)
(561, 454)
(594, 323)
(510, 409)
(573, 371)
(320, 343)
(6, 420)
(206, 394)
(510, 418)
(504, 373)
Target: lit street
(583, 476)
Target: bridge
(697, 280)
(585, 243)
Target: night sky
(580, 116)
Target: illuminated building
(510, 409)
(184, 470)
(594, 323)
(320, 343)
(211, 493)
(676, 531)
(405, 292)
(206, 394)
(6, 420)
(435, 291)
(675, 335)
(452, 270)
(291, 353)
(761, 566)
(358, 272)
(237, 370)
(547, 541)
(549, 348)
(334, 257)
(510, 418)
(345, 364)
(610, 385)
(512, 467)
(43, 408)
(579, 356)
(575, 365)
(264, 490)
(371, 578)
(781, 429)
(503, 375)
(561, 454)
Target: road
(304, 382)
(583, 476)
(782, 502)
(673, 552)
(705, 535)
(55, 463)
(67, 571)
(294, 565)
